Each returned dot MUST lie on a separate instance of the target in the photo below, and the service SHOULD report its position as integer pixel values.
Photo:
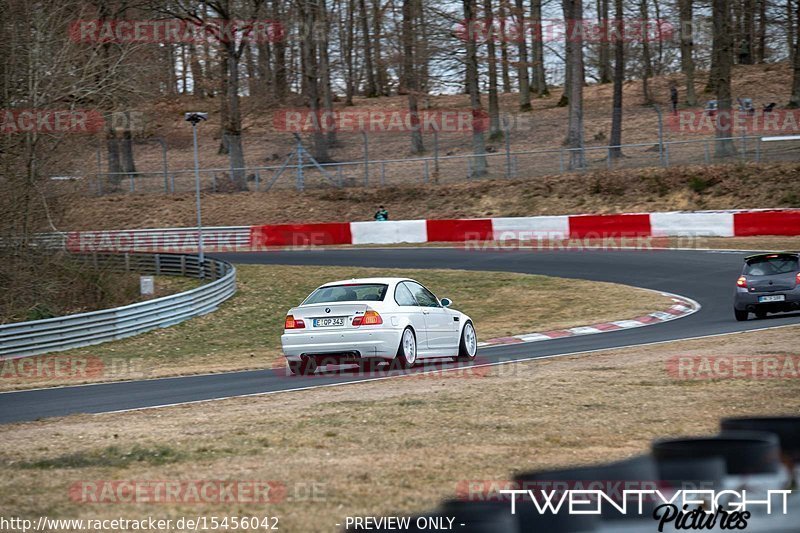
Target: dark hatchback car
(770, 283)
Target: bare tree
(371, 89)
(687, 49)
(410, 75)
(794, 100)
(522, 64)
(539, 79)
(647, 60)
(494, 105)
(573, 14)
(604, 48)
(502, 14)
(723, 43)
(479, 165)
(619, 79)
(308, 12)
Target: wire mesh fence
(303, 172)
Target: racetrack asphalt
(707, 277)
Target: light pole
(196, 118)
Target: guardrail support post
(158, 264)
(127, 262)
(183, 265)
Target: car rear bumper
(749, 301)
(349, 345)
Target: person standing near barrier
(381, 215)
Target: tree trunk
(324, 67)
(250, 67)
(410, 76)
(264, 66)
(494, 105)
(502, 13)
(687, 49)
(723, 52)
(794, 100)
(746, 55)
(647, 61)
(537, 50)
(421, 53)
(126, 147)
(573, 14)
(522, 68)
(198, 75)
(371, 89)
(349, 43)
(479, 166)
(790, 29)
(310, 73)
(232, 127)
(619, 80)
(112, 151)
(280, 80)
(604, 49)
(381, 77)
(761, 49)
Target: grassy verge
(392, 446)
(245, 332)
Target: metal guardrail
(85, 329)
(151, 239)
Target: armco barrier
(170, 240)
(733, 223)
(85, 329)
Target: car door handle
(424, 312)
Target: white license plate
(329, 322)
(773, 298)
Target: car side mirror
(446, 302)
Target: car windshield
(352, 292)
(771, 265)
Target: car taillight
(293, 323)
(797, 279)
(370, 318)
(741, 282)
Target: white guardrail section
(73, 331)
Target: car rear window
(770, 265)
(355, 292)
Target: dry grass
(245, 332)
(391, 446)
(642, 190)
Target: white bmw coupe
(372, 320)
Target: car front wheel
(468, 347)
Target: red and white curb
(735, 223)
(680, 308)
